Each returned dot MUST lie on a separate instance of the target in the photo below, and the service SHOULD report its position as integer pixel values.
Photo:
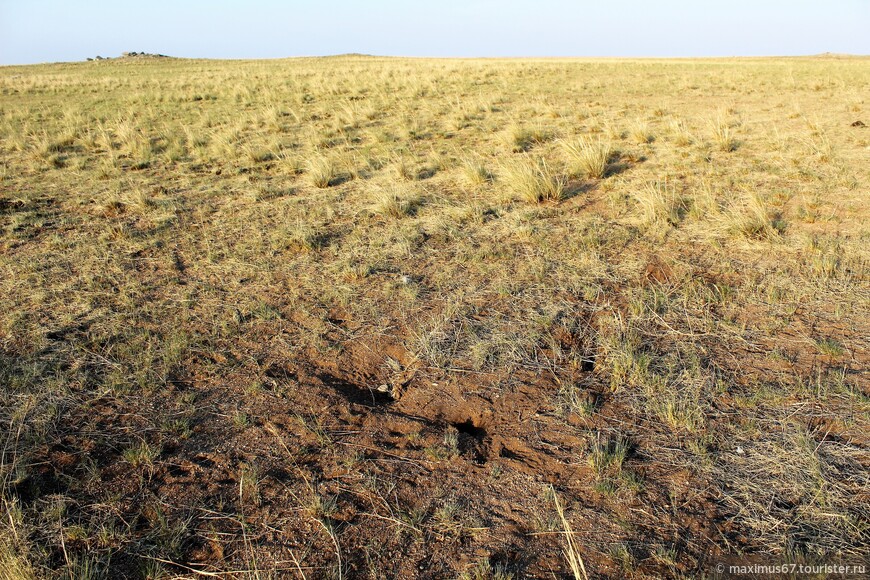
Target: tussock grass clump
(623, 356)
(405, 169)
(723, 135)
(745, 215)
(256, 154)
(704, 202)
(750, 218)
(322, 171)
(608, 454)
(829, 259)
(533, 181)
(138, 198)
(588, 158)
(302, 235)
(819, 145)
(576, 400)
(224, 143)
(47, 145)
(681, 134)
(486, 570)
(127, 199)
(395, 201)
(475, 172)
(659, 204)
(613, 131)
(679, 413)
(141, 454)
(641, 133)
(524, 138)
(290, 164)
(830, 347)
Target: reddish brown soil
(325, 428)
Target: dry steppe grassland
(360, 317)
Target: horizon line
(156, 56)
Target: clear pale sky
(65, 30)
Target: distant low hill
(838, 55)
(129, 55)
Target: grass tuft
(660, 205)
(681, 134)
(475, 172)
(588, 158)
(533, 181)
(723, 135)
(141, 454)
(322, 171)
(830, 347)
(750, 218)
(608, 454)
(641, 133)
(395, 201)
(522, 139)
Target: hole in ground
(471, 440)
(469, 428)
(357, 394)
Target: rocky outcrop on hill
(130, 55)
